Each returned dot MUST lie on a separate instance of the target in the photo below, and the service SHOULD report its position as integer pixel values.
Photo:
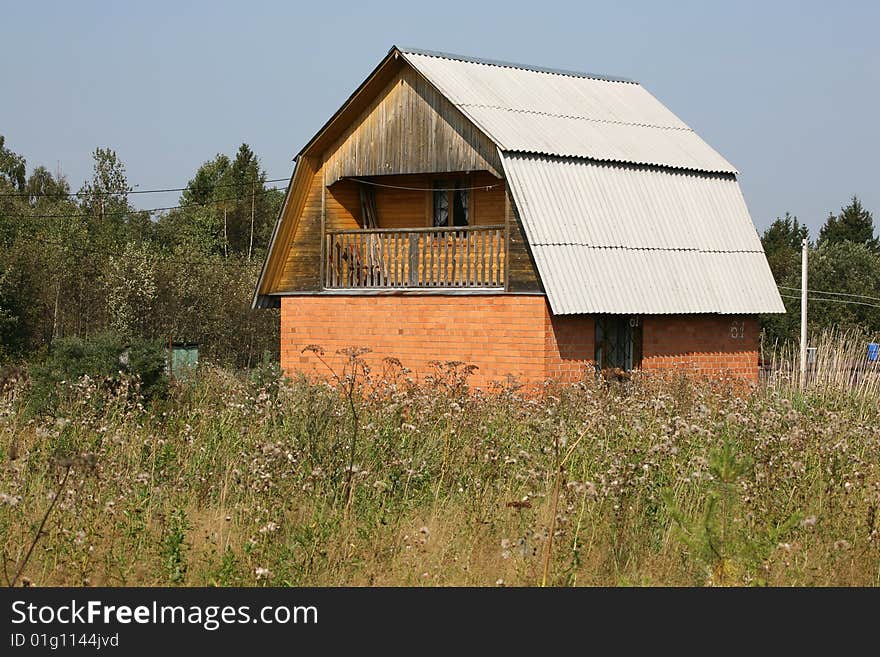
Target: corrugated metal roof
(632, 239)
(567, 114)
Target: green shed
(184, 358)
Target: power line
(426, 189)
(109, 252)
(839, 294)
(134, 191)
(135, 211)
(860, 303)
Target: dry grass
(235, 481)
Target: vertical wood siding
(409, 128)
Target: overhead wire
(427, 189)
(133, 191)
(860, 303)
(135, 211)
(94, 249)
(840, 294)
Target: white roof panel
(620, 238)
(566, 114)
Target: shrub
(107, 358)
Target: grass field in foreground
(235, 480)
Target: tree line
(843, 272)
(89, 263)
(86, 263)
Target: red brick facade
(504, 335)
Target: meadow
(377, 479)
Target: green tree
(43, 186)
(227, 209)
(854, 224)
(132, 292)
(13, 166)
(105, 198)
(782, 245)
(843, 267)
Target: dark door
(618, 342)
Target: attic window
(457, 191)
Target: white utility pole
(804, 252)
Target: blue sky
(789, 92)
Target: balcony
(462, 258)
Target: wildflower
(11, 500)
(809, 521)
(262, 573)
(268, 528)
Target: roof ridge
(505, 64)
(577, 117)
(691, 249)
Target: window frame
(455, 184)
(631, 327)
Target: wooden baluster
(397, 262)
(435, 260)
(423, 247)
(499, 242)
(446, 258)
(379, 259)
(334, 259)
(360, 271)
(356, 262)
(343, 260)
(491, 257)
(467, 258)
(366, 240)
(454, 263)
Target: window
(618, 342)
(458, 208)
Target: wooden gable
(395, 123)
(409, 128)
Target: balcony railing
(461, 257)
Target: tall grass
(239, 480)
(841, 365)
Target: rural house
(536, 223)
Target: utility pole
(225, 238)
(804, 252)
(253, 201)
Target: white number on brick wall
(737, 330)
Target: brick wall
(570, 346)
(504, 335)
(706, 344)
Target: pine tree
(853, 224)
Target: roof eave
(261, 300)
